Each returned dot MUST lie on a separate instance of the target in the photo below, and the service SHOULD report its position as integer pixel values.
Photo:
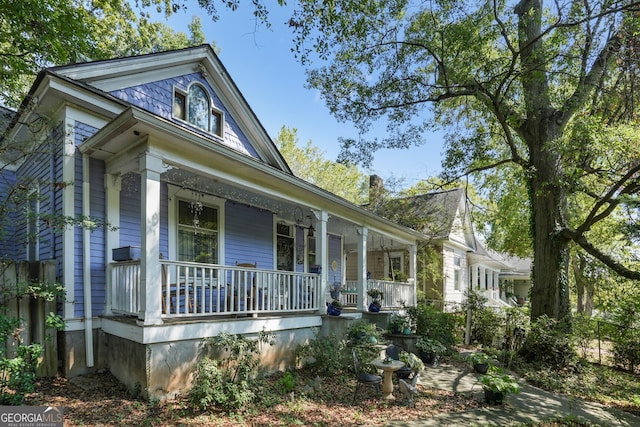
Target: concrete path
(530, 405)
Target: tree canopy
(40, 33)
(309, 163)
(544, 93)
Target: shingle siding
(157, 98)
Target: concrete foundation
(163, 370)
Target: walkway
(530, 405)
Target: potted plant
(399, 323)
(430, 350)
(376, 296)
(480, 361)
(361, 332)
(334, 308)
(497, 385)
(412, 364)
(334, 289)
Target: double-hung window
(197, 232)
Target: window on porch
(197, 232)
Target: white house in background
(210, 230)
(457, 260)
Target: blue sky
(262, 65)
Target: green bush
(549, 343)
(18, 371)
(584, 331)
(288, 383)
(18, 374)
(222, 376)
(434, 324)
(626, 336)
(487, 326)
(326, 355)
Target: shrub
(549, 344)
(18, 374)
(18, 370)
(222, 376)
(487, 326)
(626, 337)
(584, 332)
(434, 324)
(287, 382)
(326, 355)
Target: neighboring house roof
(517, 268)
(441, 215)
(5, 118)
(489, 257)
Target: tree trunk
(550, 292)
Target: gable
(158, 98)
(151, 82)
(444, 215)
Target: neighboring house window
(396, 265)
(197, 232)
(456, 272)
(196, 108)
(284, 246)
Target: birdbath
(388, 368)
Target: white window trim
(393, 255)
(212, 108)
(178, 193)
(277, 220)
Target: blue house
(206, 228)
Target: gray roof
(6, 115)
(435, 211)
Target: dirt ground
(100, 400)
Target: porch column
(150, 269)
(474, 277)
(413, 261)
(363, 232)
(322, 217)
(113, 186)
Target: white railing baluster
(192, 289)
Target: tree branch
(613, 264)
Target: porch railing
(190, 289)
(395, 294)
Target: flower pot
(335, 294)
(374, 308)
(332, 310)
(494, 397)
(429, 357)
(404, 373)
(407, 331)
(481, 368)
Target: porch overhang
(135, 131)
